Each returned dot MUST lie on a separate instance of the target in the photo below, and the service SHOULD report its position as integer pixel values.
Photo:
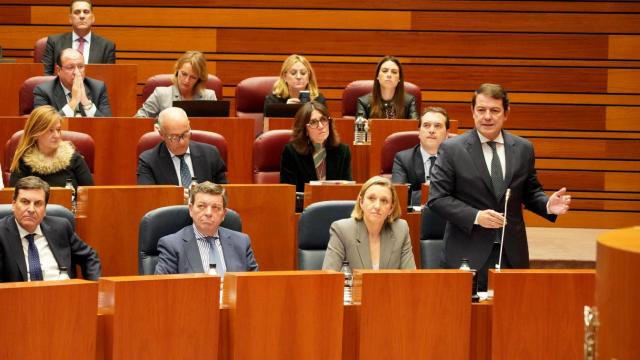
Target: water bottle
(348, 281)
(69, 185)
(63, 273)
(193, 183)
(361, 128)
(464, 266)
(212, 270)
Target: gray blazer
(179, 252)
(348, 240)
(163, 97)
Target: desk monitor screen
(204, 108)
(282, 110)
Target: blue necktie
(213, 255)
(35, 271)
(185, 174)
(432, 160)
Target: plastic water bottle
(69, 185)
(464, 265)
(193, 183)
(63, 273)
(212, 270)
(360, 131)
(348, 281)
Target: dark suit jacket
(179, 252)
(461, 186)
(296, 169)
(155, 166)
(51, 93)
(102, 51)
(67, 248)
(408, 168)
(364, 107)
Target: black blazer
(51, 93)
(296, 169)
(364, 106)
(155, 166)
(408, 168)
(460, 186)
(102, 51)
(67, 248)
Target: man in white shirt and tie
(469, 183)
(413, 166)
(94, 48)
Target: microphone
(506, 202)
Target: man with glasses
(71, 93)
(469, 185)
(94, 48)
(176, 160)
(195, 247)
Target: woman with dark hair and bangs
(315, 151)
(388, 99)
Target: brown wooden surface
(159, 317)
(539, 313)
(480, 335)
(109, 218)
(420, 314)
(299, 315)
(119, 79)
(58, 196)
(48, 320)
(617, 294)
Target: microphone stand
(506, 202)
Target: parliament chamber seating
(152, 138)
(213, 83)
(432, 228)
(83, 142)
(165, 221)
(267, 151)
(38, 49)
(250, 94)
(392, 144)
(359, 88)
(313, 230)
(25, 98)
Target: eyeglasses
(177, 138)
(315, 123)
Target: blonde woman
(189, 81)
(41, 152)
(296, 75)
(374, 237)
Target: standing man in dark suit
(36, 247)
(176, 160)
(413, 166)
(94, 48)
(71, 93)
(205, 242)
(469, 183)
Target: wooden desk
(538, 314)
(120, 79)
(419, 314)
(48, 320)
(59, 196)
(284, 315)
(159, 317)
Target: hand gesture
(293, 100)
(559, 202)
(491, 219)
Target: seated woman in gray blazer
(189, 81)
(374, 237)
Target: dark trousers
(483, 272)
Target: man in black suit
(176, 160)
(413, 166)
(469, 184)
(94, 48)
(36, 247)
(71, 93)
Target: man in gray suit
(94, 48)
(413, 166)
(71, 92)
(194, 248)
(469, 184)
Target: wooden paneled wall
(572, 68)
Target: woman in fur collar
(42, 152)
